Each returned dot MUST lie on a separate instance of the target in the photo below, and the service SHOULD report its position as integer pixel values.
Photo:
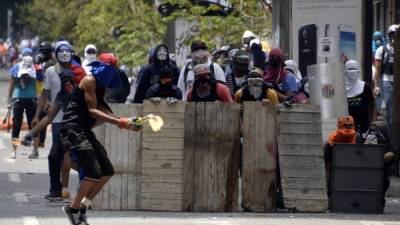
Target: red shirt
(223, 94)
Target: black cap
(45, 48)
(197, 45)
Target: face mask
(27, 60)
(255, 87)
(352, 74)
(64, 56)
(90, 57)
(162, 54)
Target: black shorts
(91, 155)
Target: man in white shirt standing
(384, 74)
(200, 55)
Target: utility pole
(395, 132)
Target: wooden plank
(302, 108)
(133, 190)
(300, 150)
(303, 182)
(306, 139)
(307, 205)
(259, 157)
(306, 128)
(167, 208)
(124, 192)
(160, 146)
(302, 161)
(162, 188)
(199, 156)
(297, 117)
(189, 157)
(312, 171)
(148, 155)
(306, 193)
(150, 107)
(164, 196)
(106, 189)
(97, 202)
(164, 164)
(166, 133)
(233, 169)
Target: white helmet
(248, 34)
(393, 28)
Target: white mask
(162, 53)
(90, 57)
(352, 75)
(27, 60)
(255, 87)
(64, 56)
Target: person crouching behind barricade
(345, 134)
(378, 133)
(205, 88)
(256, 89)
(165, 88)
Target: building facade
(386, 13)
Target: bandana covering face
(354, 85)
(105, 74)
(276, 73)
(345, 132)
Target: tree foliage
(141, 26)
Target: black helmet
(241, 59)
(45, 48)
(197, 45)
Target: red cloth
(108, 58)
(276, 75)
(79, 73)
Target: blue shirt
(289, 84)
(20, 91)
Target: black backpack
(119, 95)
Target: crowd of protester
(43, 79)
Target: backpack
(121, 94)
(387, 65)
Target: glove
(255, 41)
(27, 139)
(172, 100)
(155, 99)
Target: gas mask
(64, 55)
(246, 42)
(162, 53)
(255, 86)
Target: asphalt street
(24, 182)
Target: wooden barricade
(211, 157)
(301, 162)
(162, 159)
(259, 157)
(123, 148)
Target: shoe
(73, 217)
(13, 155)
(54, 197)
(83, 218)
(34, 155)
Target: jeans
(55, 158)
(387, 94)
(21, 105)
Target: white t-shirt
(378, 56)
(52, 83)
(218, 72)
